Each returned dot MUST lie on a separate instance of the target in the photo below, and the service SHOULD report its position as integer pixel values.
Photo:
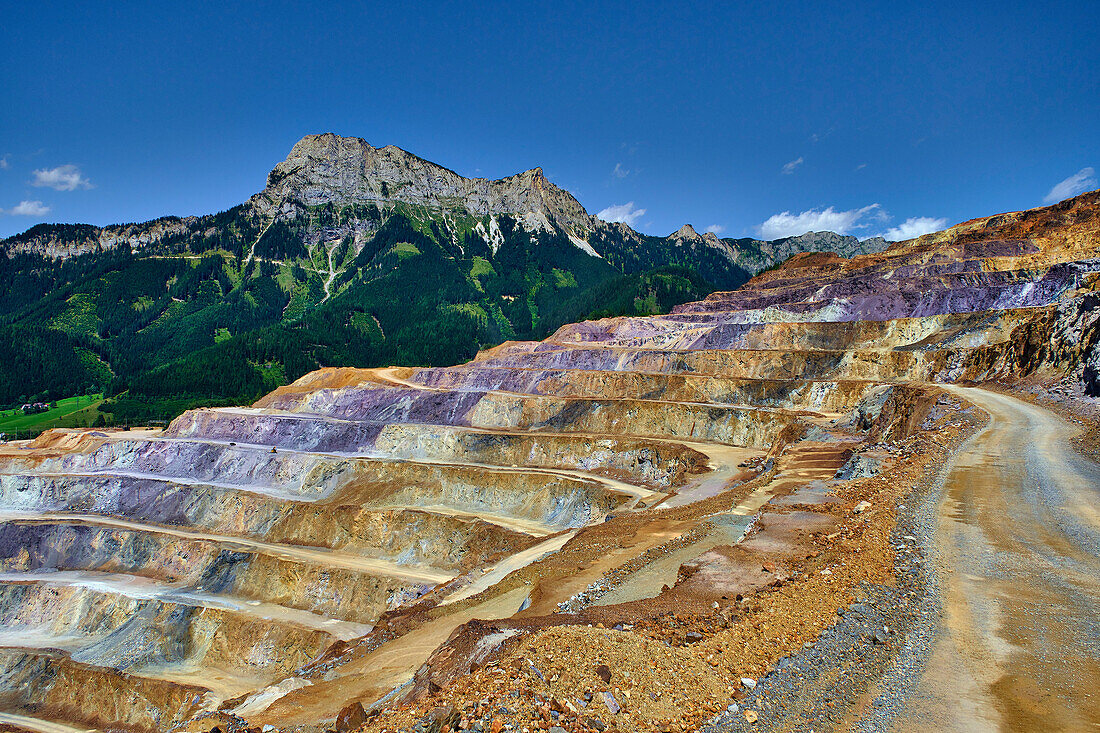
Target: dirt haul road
(1018, 545)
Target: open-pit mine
(854, 494)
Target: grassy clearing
(70, 412)
(405, 250)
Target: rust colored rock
(350, 717)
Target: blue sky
(751, 118)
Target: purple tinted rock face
(482, 379)
(156, 501)
(901, 289)
(906, 290)
(200, 460)
(305, 433)
(999, 248)
(385, 405)
(74, 547)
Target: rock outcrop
(323, 169)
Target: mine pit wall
(222, 511)
(879, 365)
(406, 536)
(652, 463)
(559, 501)
(333, 592)
(1054, 343)
(145, 635)
(1044, 339)
(315, 587)
(900, 412)
(53, 687)
(299, 433)
(46, 546)
(748, 427)
(659, 464)
(319, 588)
(795, 394)
(198, 461)
(494, 411)
(885, 291)
(556, 500)
(791, 336)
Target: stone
(604, 673)
(350, 717)
(611, 703)
(440, 717)
(861, 507)
(751, 716)
(748, 682)
(861, 609)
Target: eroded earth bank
(853, 494)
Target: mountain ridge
(326, 168)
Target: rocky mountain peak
(328, 168)
(687, 233)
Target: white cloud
(789, 168)
(786, 224)
(1081, 181)
(29, 208)
(62, 178)
(619, 171)
(715, 229)
(913, 227)
(4, 163)
(861, 166)
(625, 213)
